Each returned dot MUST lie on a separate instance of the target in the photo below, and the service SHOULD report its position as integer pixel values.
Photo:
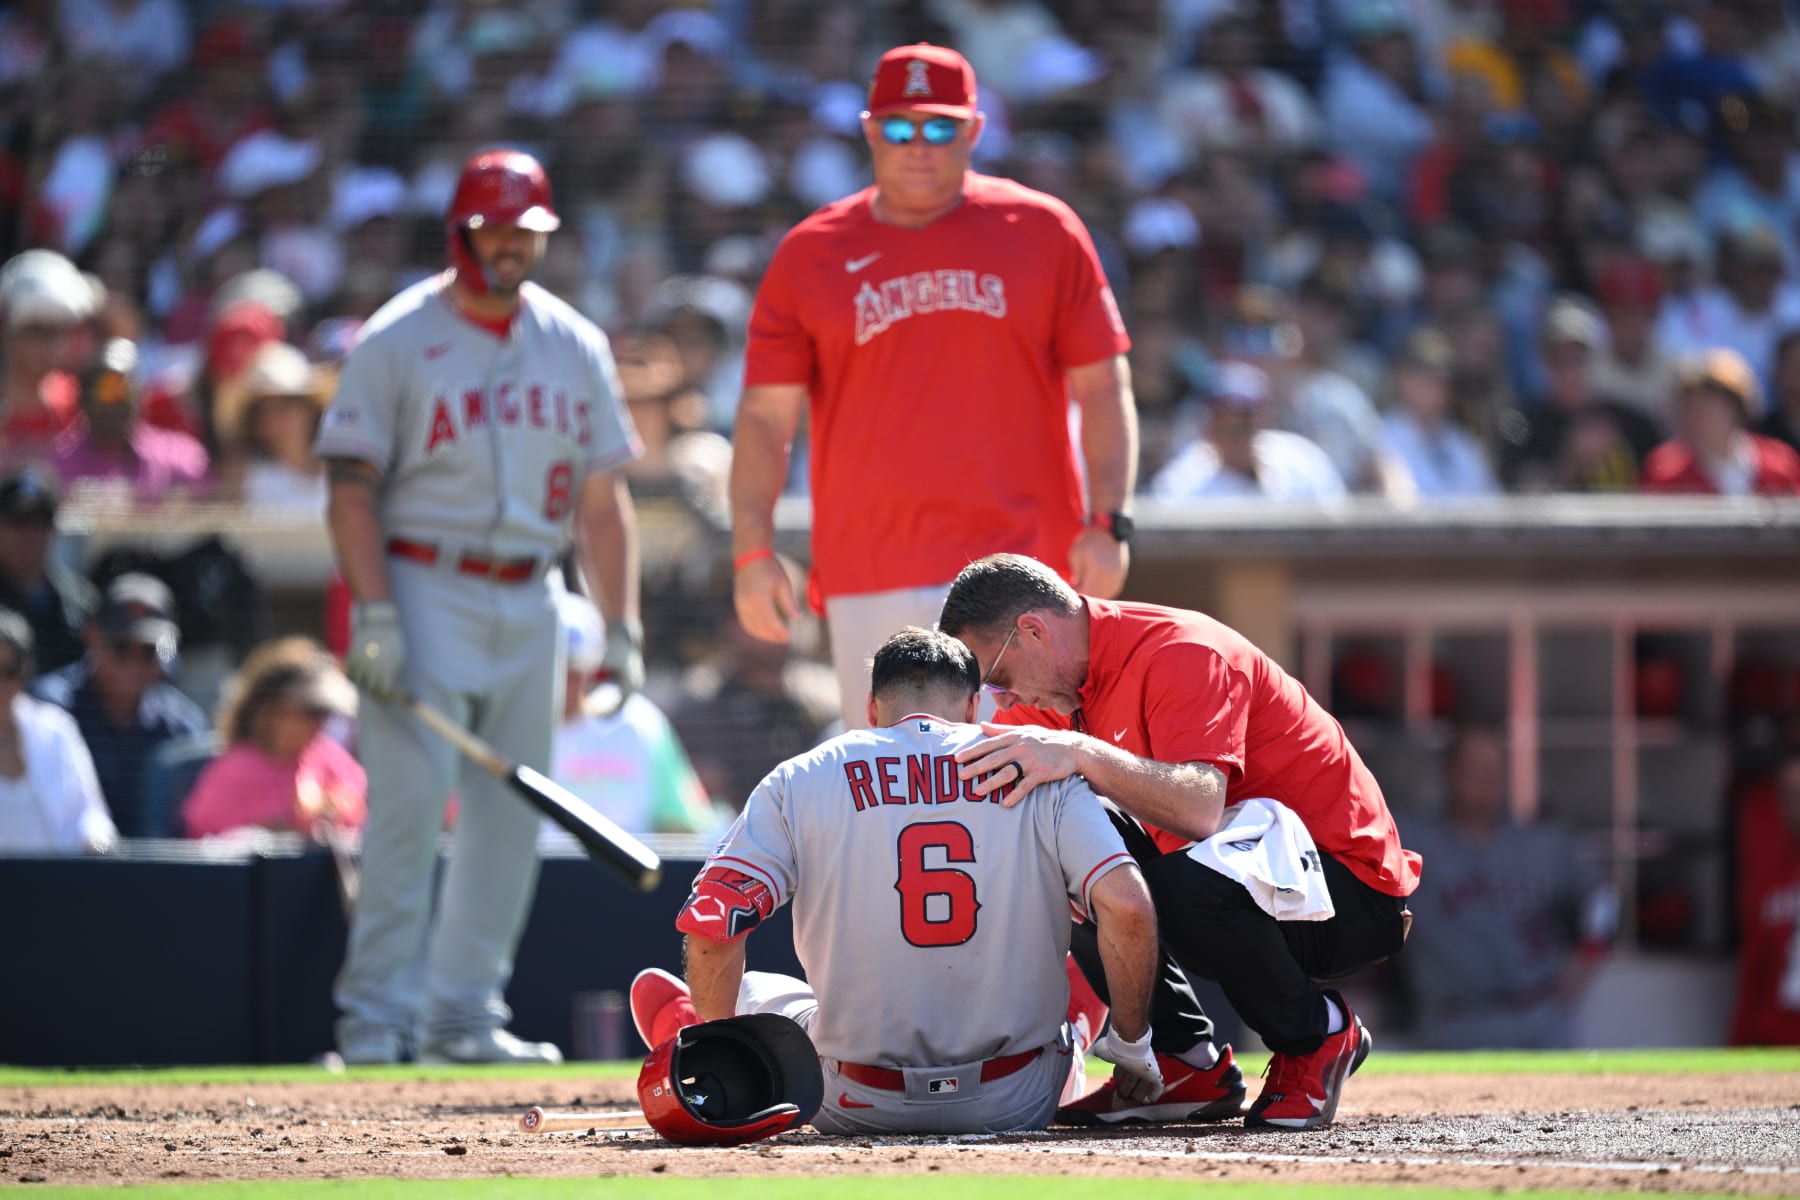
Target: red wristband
(749, 556)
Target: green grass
(890, 1187)
(1703, 1061)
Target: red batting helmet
(724, 1083)
(497, 187)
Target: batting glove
(623, 659)
(1135, 1072)
(377, 648)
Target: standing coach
(934, 327)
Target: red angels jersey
(932, 923)
(483, 440)
(1177, 686)
(935, 363)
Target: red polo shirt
(1177, 686)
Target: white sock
(1202, 1056)
(1334, 1017)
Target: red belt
(500, 570)
(893, 1081)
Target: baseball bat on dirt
(632, 861)
(540, 1120)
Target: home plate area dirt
(1663, 1133)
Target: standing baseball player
(478, 417)
(932, 925)
(938, 324)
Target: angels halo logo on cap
(923, 78)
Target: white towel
(1264, 846)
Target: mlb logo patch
(941, 1087)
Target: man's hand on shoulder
(1040, 755)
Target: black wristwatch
(1119, 524)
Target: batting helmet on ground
(724, 1083)
(497, 187)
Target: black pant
(1211, 927)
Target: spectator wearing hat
(1783, 421)
(623, 758)
(1713, 451)
(49, 796)
(1420, 433)
(1632, 366)
(55, 600)
(1240, 457)
(1757, 186)
(115, 448)
(43, 302)
(1574, 439)
(1752, 306)
(1321, 405)
(266, 423)
(281, 768)
(121, 699)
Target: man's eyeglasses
(997, 689)
(937, 131)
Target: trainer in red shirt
(1714, 453)
(935, 326)
(1172, 717)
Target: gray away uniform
(931, 924)
(484, 443)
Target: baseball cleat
(1189, 1094)
(486, 1046)
(1302, 1090)
(661, 1006)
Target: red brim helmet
(497, 187)
(727, 1082)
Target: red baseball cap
(1629, 281)
(923, 78)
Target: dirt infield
(1664, 1133)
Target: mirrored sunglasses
(937, 131)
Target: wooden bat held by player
(632, 861)
(539, 1120)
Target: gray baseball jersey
(932, 923)
(483, 441)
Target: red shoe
(1303, 1089)
(1087, 1012)
(1190, 1094)
(661, 1006)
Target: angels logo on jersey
(458, 411)
(880, 305)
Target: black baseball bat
(632, 861)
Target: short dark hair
(993, 592)
(917, 661)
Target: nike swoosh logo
(437, 351)
(853, 265)
(844, 1101)
(1119, 736)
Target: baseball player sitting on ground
(933, 927)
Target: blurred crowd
(1418, 249)
(1468, 246)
